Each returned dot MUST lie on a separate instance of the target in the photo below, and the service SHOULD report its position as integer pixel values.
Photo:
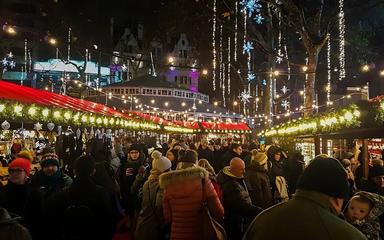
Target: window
(164, 92)
(169, 92)
(126, 91)
(137, 90)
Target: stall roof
(27, 95)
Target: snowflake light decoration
(264, 82)
(285, 104)
(251, 77)
(284, 89)
(248, 46)
(8, 62)
(279, 59)
(4, 62)
(258, 18)
(124, 68)
(245, 96)
(251, 6)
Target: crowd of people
(252, 191)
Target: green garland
(16, 111)
(349, 117)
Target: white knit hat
(160, 163)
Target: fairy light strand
(214, 46)
(229, 66)
(341, 40)
(221, 57)
(235, 38)
(69, 45)
(328, 88)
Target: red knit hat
(23, 163)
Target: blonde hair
(205, 164)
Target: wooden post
(365, 158)
(317, 145)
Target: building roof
(145, 81)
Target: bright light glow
(200, 102)
(276, 73)
(32, 111)
(301, 92)
(365, 68)
(171, 59)
(18, 109)
(56, 114)
(67, 115)
(183, 104)
(10, 30)
(305, 68)
(45, 112)
(215, 103)
(52, 41)
(205, 72)
(153, 101)
(166, 104)
(136, 100)
(235, 103)
(2, 107)
(382, 73)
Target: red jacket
(182, 201)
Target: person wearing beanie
(313, 211)
(20, 197)
(131, 178)
(182, 198)
(257, 179)
(150, 222)
(187, 158)
(50, 179)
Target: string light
(229, 66)
(329, 68)
(214, 46)
(69, 44)
(341, 40)
(221, 73)
(235, 39)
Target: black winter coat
(237, 203)
(259, 186)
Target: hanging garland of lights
(16, 111)
(341, 40)
(348, 117)
(214, 46)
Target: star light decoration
(248, 46)
(245, 96)
(284, 89)
(38, 126)
(285, 104)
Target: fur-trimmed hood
(377, 202)
(182, 175)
